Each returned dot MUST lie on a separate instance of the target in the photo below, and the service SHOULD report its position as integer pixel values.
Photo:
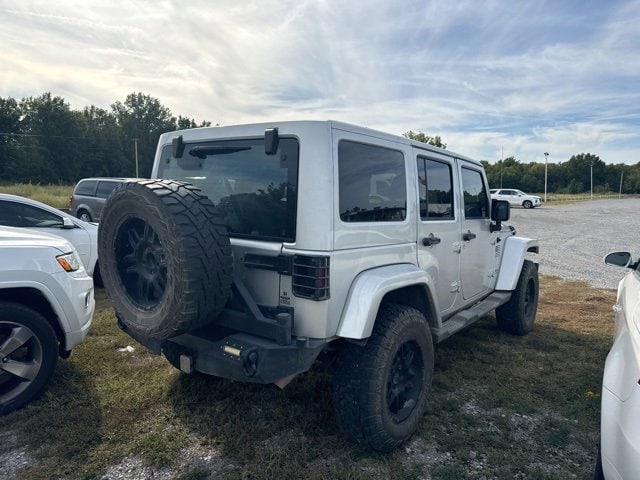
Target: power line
(10, 134)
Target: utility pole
(591, 165)
(135, 146)
(546, 156)
(621, 176)
(501, 164)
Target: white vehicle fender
(515, 250)
(367, 291)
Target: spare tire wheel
(165, 257)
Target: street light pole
(135, 144)
(591, 164)
(546, 156)
(501, 164)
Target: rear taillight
(310, 277)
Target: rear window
(255, 192)
(86, 188)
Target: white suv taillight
(310, 277)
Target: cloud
(524, 76)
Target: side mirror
(618, 259)
(67, 223)
(500, 210)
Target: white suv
(46, 308)
(620, 431)
(516, 197)
(276, 243)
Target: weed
(55, 195)
(500, 407)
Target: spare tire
(165, 257)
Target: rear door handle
(468, 236)
(430, 240)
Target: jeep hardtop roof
(252, 129)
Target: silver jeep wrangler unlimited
(259, 247)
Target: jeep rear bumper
(238, 356)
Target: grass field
(501, 407)
(54, 195)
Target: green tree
(436, 141)
(105, 149)
(51, 148)
(144, 118)
(186, 122)
(9, 131)
(578, 168)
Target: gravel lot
(574, 238)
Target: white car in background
(46, 308)
(516, 197)
(16, 211)
(620, 429)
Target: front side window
(372, 183)
(435, 188)
(256, 193)
(14, 214)
(476, 204)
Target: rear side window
(476, 204)
(436, 190)
(372, 183)
(256, 193)
(105, 189)
(86, 188)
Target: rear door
(439, 244)
(255, 194)
(477, 240)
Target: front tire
(518, 314)
(527, 204)
(381, 389)
(598, 474)
(28, 355)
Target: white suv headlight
(69, 261)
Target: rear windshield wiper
(202, 151)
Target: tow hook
(250, 362)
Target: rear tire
(28, 355)
(518, 314)
(381, 389)
(165, 257)
(84, 216)
(97, 278)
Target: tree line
(43, 140)
(572, 176)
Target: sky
(494, 78)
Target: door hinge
(455, 287)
